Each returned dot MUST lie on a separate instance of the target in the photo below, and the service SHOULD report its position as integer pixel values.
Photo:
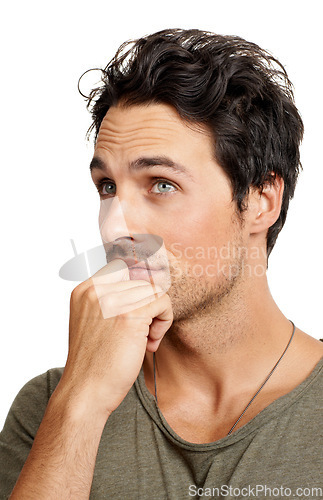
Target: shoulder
(42, 385)
(307, 353)
(31, 401)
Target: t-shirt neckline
(271, 411)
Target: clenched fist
(113, 321)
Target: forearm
(62, 459)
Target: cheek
(199, 237)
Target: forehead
(150, 128)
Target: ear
(265, 205)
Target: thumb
(157, 330)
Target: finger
(128, 297)
(105, 289)
(115, 271)
(119, 303)
(161, 323)
(160, 308)
(157, 330)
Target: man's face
(163, 174)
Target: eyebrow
(145, 163)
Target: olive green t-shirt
(277, 454)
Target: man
(198, 385)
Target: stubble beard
(195, 296)
(203, 306)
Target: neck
(225, 351)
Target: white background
(47, 196)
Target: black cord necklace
(253, 397)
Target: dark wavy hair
(235, 88)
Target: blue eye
(165, 185)
(108, 188)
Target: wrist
(78, 406)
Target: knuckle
(127, 317)
(127, 320)
(108, 301)
(76, 292)
(80, 290)
(90, 294)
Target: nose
(112, 221)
